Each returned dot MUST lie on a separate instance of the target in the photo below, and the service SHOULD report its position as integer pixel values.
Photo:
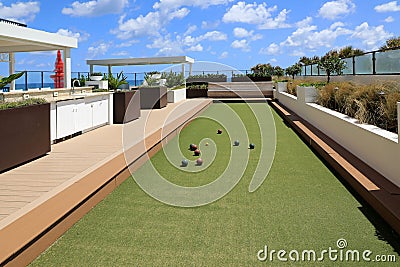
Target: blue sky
(236, 33)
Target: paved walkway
(31, 185)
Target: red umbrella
(58, 77)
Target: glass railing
(371, 63)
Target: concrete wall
(378, 148)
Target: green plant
(22, 103)
(6, 80)
(196, 86)
(148, 77)
(293, 70)
(332, 64)
(209, 75)
(173, 79)
(391, 43)
(83, 79)
(115, 82)
(96, 74)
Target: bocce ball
(236, 143)
(197, 152)
(219, 131)
(252, 146)
(199, 161)
(185, 162)
(193, 147)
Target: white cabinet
(78, 115)
(98, 109)
(71, 117)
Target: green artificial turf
(301, 205)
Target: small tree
(332, 64)
(391, 43)
(293, 70)
(278, 71)
(265, 69)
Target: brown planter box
(205, 79)
(25, 134)
(153, 97)
(261, 79)
(241, 79)
(121, 102)
(194, 93)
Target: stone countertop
(52, 95)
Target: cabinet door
(82, 116)
(100, 112)
(65, 118)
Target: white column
(90, 69)
(183, 69)
(67, 68)
(109, 69)
(11, 68)
(190, 69)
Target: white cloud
(388, 7)
(20, 11)
(213, 36)
(334, 9)
(98, 50)
(149, 25)
(258, 14)
(209, 24)
(308, 36)
(389, 19)
(172, 4)
(239, 32)
(168, 46)
(191, 29)
(81, 36)
(272, 49)
(224, 54)
(127, 43)
(241, 44)
(371, 37)
(121, 54)
(195, 48)
(95, 8)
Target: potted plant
(198, 89)
(153, 95)
(126, 103)
(176, 87)
(211, 77)
(96, 76)
(25, 131)
(240, 78)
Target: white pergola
(15, 38)
(142, 61)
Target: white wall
(378, 148)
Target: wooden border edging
(28, 236)
(381, 194)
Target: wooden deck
(40, 200)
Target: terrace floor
(33, 196)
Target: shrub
(374, 104)
(22, 103)
(173, 79)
